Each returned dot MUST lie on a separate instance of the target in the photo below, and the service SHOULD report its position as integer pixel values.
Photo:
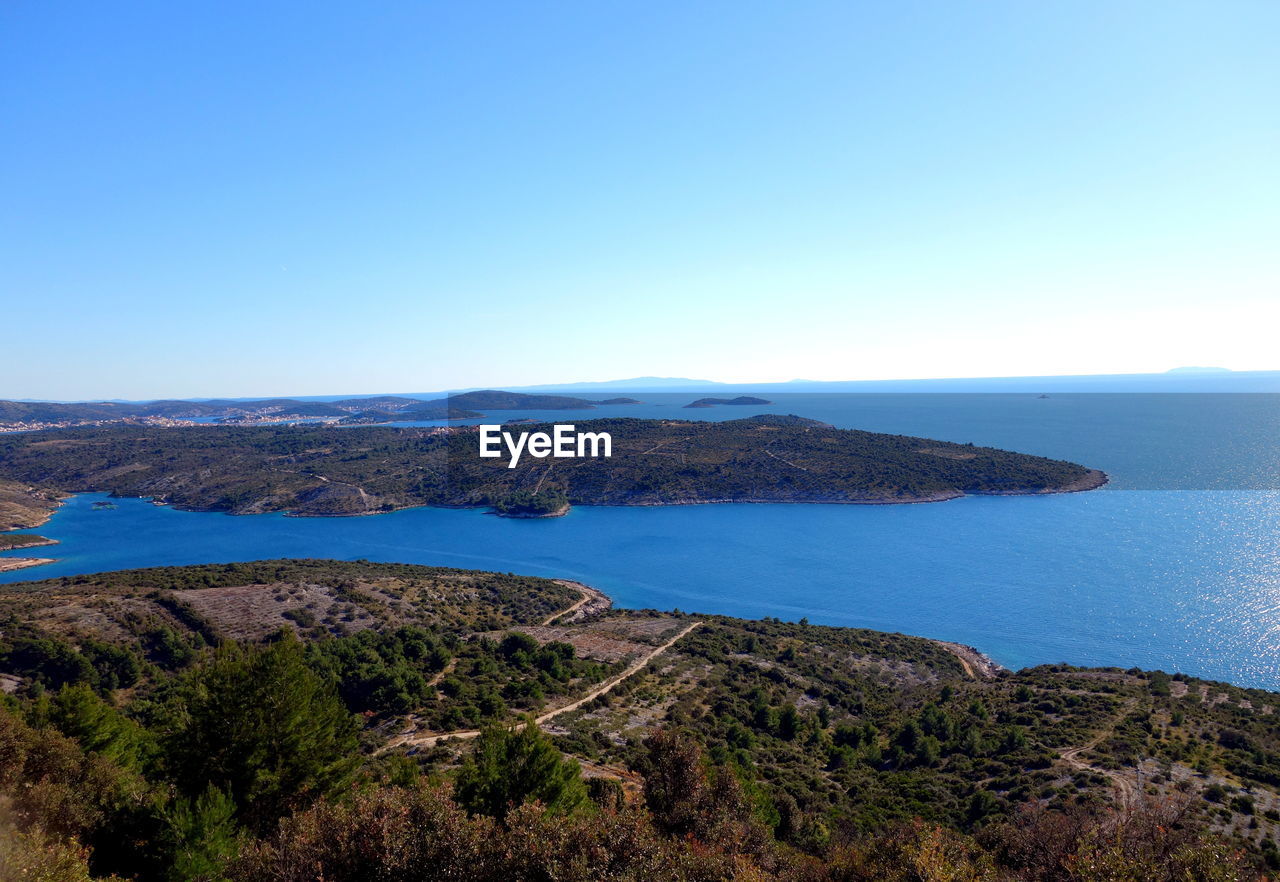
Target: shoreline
(59, 499)
(976, 663)
(526, 516)
(593, 602)
(1093, 480)
(37, 542)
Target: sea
(1173, 565)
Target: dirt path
(538, 489)
(586, 595)
(787, 461)
(444, 672)
(1126, 790)
(603, 689)
(593, 602)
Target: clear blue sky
(242, 198)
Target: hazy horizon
(1181, 379)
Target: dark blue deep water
(1175, 565)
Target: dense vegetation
(851, 730)
(141, 740)
(532, 503)
(320, 470)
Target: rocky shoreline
(530, 516)
(1091, 481)
(976, 663)
(1094, 479)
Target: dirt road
(415, 740)
(1126, 790)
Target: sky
(276, 198)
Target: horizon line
(1179, 373)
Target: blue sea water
(1175, 565)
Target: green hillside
(297, 719)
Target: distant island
(740, 400)
(323, 470)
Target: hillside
(23, 506)
(312, 470)
(249, 601)
(834, 736)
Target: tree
(203, 836)
(99, 728)
(674, 782)
(789, 722)
(512, 765)
(263, 727)
(982, 804)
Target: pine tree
(78, 712)
(262, 726)
(514, 765)
(203, 836)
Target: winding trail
(1126, 791)
(442, 673)
(586, 595)
(416, 740)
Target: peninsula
(9, 564)
(318, 470)
(14, 541)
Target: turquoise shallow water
(1164, 574)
